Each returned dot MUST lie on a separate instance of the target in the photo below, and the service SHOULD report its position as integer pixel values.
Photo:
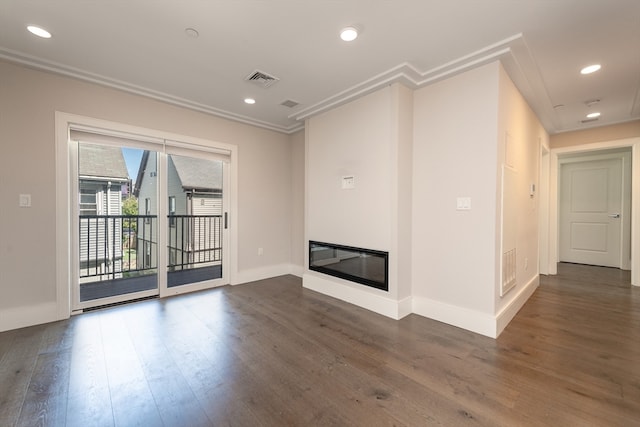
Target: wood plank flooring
(271, 353)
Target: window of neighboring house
(88, 202)
(172, 211)
(147, 209)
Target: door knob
(615, 215)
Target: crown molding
(412, 77)
(513, 52)
(76, 73)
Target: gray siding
(174, 188)
(147, 230)
(101, 238)
(206, 205)
(206, 232)
(188, 238)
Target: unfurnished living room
(300, 213)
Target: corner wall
(369, 139)
(298, 249)
(447, 260)
(521, 137)
(455, 155)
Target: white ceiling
(141, 46)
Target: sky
(132, 157)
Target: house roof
(197, 173)
(101, 161)
(193, 173)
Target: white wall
(350, 140)
(298, 247)
(402, 202)
(28, 102)
(520, 138)
(370, 139)
(454, 155)
(413, 153)
(462, 126)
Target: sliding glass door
(117, 241)
(128, 244)
(195, 221)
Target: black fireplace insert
(365, 266)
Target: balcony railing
(110, 245)
(194, 241)
(120, 246)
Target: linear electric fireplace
(365, 266)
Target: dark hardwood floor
(271, 353)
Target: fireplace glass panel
(365, 266)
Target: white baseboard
(510, 310)
(475, 321)
(405, 307)
(297, 270)
(262, 273)
(471, 320)
(360, 297)
(20, 317)
(481, 323)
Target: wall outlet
(526, 263)
(260, 251)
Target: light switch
(463, 203)
(25, 201)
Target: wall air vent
(289, 103)
(261, 78)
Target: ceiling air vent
(261, 78)
(589, 120)
(290, 103)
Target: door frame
(64, 191)
(551, 251)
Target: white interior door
(591, 212)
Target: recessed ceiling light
(349, 34)
(249, 101)
(593, 115)
(590, 69)
(40, 32)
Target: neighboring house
(102, 173)
(194, 206)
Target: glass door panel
(117, 227)
(195, 220)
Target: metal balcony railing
(120, 246)
(115, 246)
(194, 240)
